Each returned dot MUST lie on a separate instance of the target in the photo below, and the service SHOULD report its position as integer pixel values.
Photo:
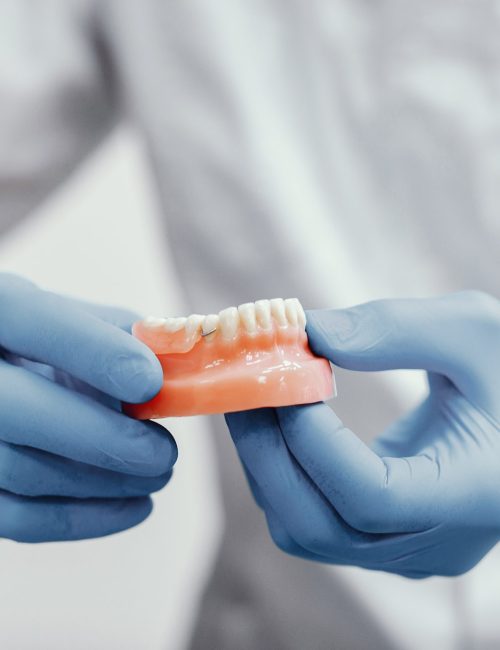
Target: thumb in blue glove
(425, 499)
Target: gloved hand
(72, 465)
(425, 500)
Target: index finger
(287, 489)
(45, 327)
(39, 413)
(346, 470)
(373, 494)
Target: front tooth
(301, 315)
(193, 324)
(291, 311)
(229, 322)
(247, 313)
(174, 324)
(151, 321)
(210, 323)
(278, 311)
(295, 312)
(263, 314)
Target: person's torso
(357, 140)
(336, 150)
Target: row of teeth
(251, 316)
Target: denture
(252, 356)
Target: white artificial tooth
(263, 314)
(210, 324)
(278, 311)
(152, 321)
(193, 324)
(174, 324)
(169, 324)
(301, 315)
(291, 311)
(247, 313)
(229, 322)
(181, 322)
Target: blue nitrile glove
(425, 500)
(72, 465)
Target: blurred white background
(98, 239)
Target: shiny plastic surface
(272, 367)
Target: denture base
(267, 369)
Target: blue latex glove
(72, 465)
(425, 500)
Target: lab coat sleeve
(56, 98)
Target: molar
(229, 322)
(193, 324)
(278, 311)
(174, 324)
(210, 324)
(152, 321)
(263, 314)
(247, 313)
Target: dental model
(246, 357)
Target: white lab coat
(337, 150)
